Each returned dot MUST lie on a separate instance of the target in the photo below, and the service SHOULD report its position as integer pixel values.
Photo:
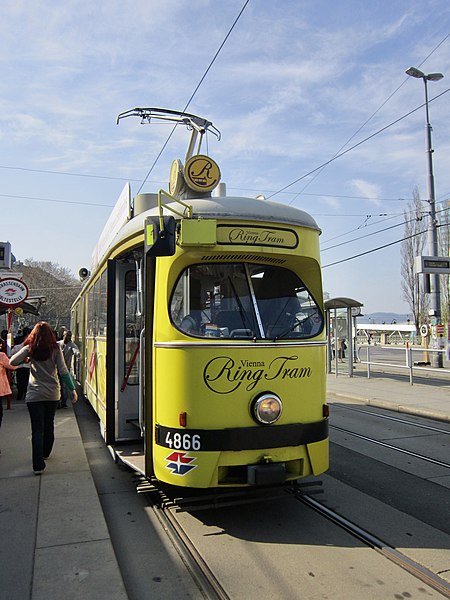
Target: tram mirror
(160, 242)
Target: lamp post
(435, 293)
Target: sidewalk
(55, 542)
(427, 398)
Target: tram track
(209, 585)
(389, 552)
(392, 418)
(164, 510)
(366, 438)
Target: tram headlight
(266, 408)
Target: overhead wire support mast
(198, 125)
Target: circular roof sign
(12, 291)
(176, 181)
(201, 173)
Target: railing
(407, 363)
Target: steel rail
(391, 447)
(204, 578)
(397, 419)
(389, 552)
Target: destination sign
(257, 235)
(433, 264)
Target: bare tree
(412, 246)
(54, 283)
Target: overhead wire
(423, 214)
(389, 217)
(438, 226)
(369, 119)
(318, 169)
(357, 144)
(57, 201)
(361, 237)
(194, 92)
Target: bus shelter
(340, 314)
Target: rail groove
(416, 569)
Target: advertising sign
(12, 291)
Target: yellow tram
(201, 330)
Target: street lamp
(435, 293)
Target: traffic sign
(424, 330)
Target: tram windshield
(243, 301)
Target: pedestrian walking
(69, 350)
(5, 387)
(46, 362)
(23, 371)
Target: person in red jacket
(5, 388)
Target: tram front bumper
(266, 474)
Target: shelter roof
(342, 302)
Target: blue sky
(294, 81)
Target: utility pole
(435, 292)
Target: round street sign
(12, 291)
(424, 330)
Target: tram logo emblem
(202, 173)
(180, 463)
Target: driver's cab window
(214, 301)
(241, 301)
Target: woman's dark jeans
(42, 415)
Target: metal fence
(412, 359)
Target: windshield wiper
(288, 330)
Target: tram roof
(220, 208)
(235, 207)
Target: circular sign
(424, 330)
(12, 291)
(176, 181)
(202, 173)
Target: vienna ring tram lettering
(274, 237)
(223, 375)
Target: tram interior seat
(231, 320)
(277, 301)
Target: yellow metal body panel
(215, 388)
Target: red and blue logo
(180, 463)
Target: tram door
(125, 344)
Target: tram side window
(132, 329)
(244, 301)
(90, 313)
(102, 304)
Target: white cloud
(369, 190)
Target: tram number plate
(182, 441)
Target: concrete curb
(401, 408)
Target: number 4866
(184, 441)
